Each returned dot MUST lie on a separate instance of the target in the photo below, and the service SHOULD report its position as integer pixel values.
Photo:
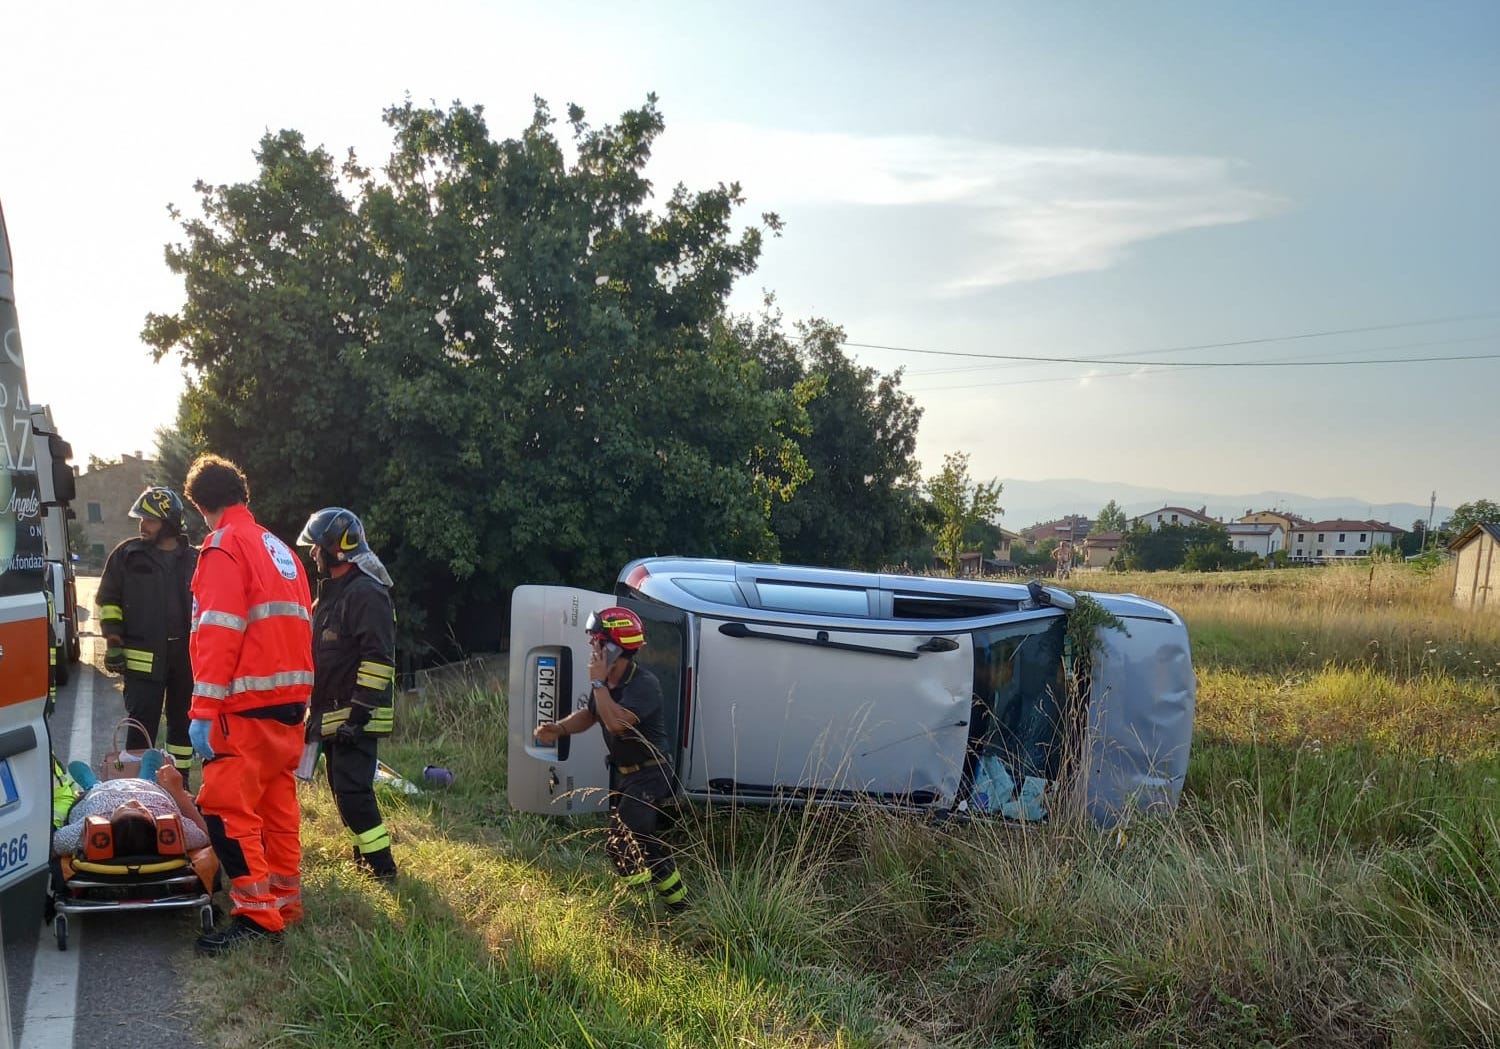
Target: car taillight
(637, 576)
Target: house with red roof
(1329, 542)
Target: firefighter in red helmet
(625, 700)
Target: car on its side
(788, 684)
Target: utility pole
(1431, 506)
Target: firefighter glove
(114, 659)
(198, 734)
(349, 733)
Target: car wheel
(62, 665)
(75, 649)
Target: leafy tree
(1111, 518)
(1467, 515)
(960, 503)
(1146, 550)
(860, 506)
(515, 366)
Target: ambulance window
(828, 600)
(720, 591)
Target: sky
(960, 182)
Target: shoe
(82, 774)
(240, 931)
(150, 762)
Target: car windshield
(1020, 697)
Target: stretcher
(160, 881)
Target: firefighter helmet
(161, 504)
(618, 625)
(337, 532)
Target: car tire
(63, 670)
(75, 649)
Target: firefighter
(145, 606)
(625, 700)
(252, 676)
(354, 680)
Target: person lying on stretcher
(131, 807)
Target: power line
(1107, 359)
(1167, 366)
(1254, 364)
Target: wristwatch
(597, 683)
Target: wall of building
(1313, 544)
(105, 496)
(1478, 574)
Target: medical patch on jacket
(285, 562)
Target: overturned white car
(787, 684)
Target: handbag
(120, 763)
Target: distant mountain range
(1033, 502)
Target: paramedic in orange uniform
(252, 675)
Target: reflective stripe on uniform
(638, 878)
(372, 840)
(287, 890)
(382, 721)
(182, 757)
(278, 608)
(671, 889)
(139, 659)
(208, 691)
(228, 620)
(377, 676)
(108, 612)
(269, 681)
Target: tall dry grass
(1330, 879)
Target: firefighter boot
(381, 865)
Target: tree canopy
(1111, 518)
(960, 503)
(517, 364)
(1467, 515)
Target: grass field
(1332, 878)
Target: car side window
(802, 597)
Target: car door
(549, 655)
(787, 710)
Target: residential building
(1263, 540)
(105, 495)
(1173, 515)
(1477, 553)
(1326, 542)
(1100, 548)
(1071, 529)
(1285, 518)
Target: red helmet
(618, 625)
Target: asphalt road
(118, 983)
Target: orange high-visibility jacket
(252, 621)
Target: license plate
(546, 691)
(8, 786)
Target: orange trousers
(249, 801)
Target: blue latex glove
(198, 734)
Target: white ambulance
(26, 632)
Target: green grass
(1331, 879)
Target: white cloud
(1028, 213)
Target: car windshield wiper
(821, 641)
